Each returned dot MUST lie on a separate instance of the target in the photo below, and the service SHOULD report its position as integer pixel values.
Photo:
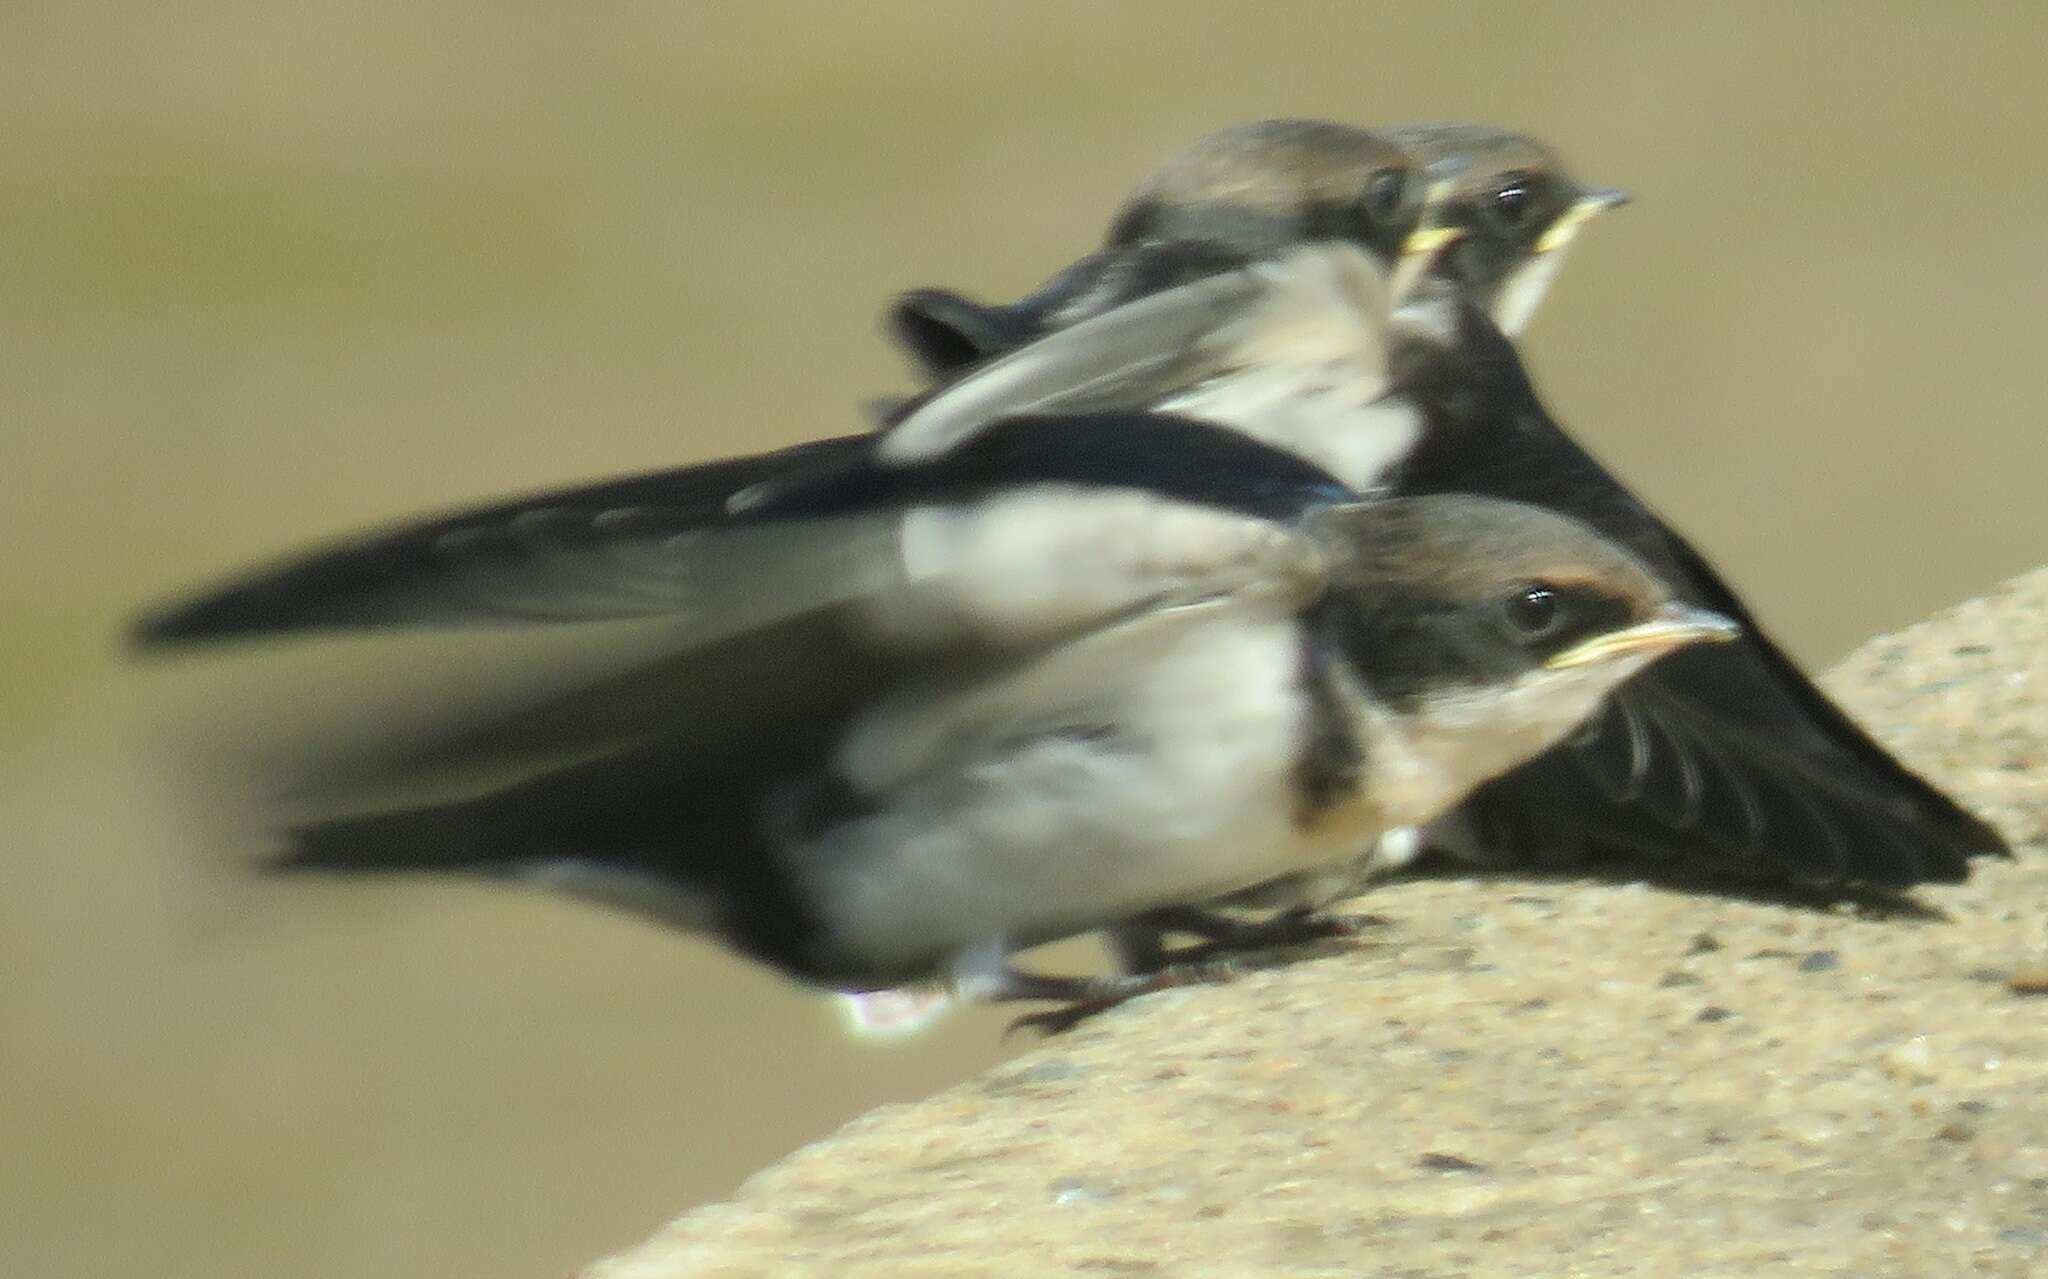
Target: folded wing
(1724, 754)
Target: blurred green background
(271, 273)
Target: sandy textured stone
(1521, 1077)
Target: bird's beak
(1591, 202)
(1674, 626)
(1419, 252)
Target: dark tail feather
(948, 333)
(624, 831)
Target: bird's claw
(1226, 937)
(1107, 994)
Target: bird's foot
(1083, 997)
(1223, 935)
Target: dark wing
(1725, 753)
(593, 550)
(689, 546)
(1162, 455)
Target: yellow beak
(1591, 202)
(1674, 626)
(1429, 240)
(1418, 253)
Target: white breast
(1171, 783)
(1341, 423)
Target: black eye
(1513, 204)
(1385, 192)
(1535, 611)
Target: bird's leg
(1137, 946)
(985, 975)
(1224, 935)
(1083, 997)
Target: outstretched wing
(604, 549)
(1063, 505)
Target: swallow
(1255, 190)
(1506, 210)
(1076, 670)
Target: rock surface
(1522, 1076)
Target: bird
(1078, 670)
(1254, 190)
(1514, 207)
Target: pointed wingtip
(213, 618)
(1948, 835)
(158, 631)
(1976, 837)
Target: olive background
(270, 274)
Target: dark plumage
(1725, 756)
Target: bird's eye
(1535, 611)
(1513, 204)
(1384, 192)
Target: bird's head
(1488, 630)
(1511, 206)
(1260, 188)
